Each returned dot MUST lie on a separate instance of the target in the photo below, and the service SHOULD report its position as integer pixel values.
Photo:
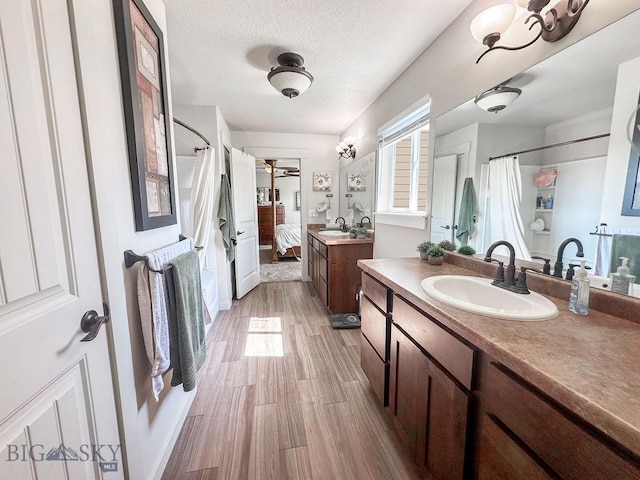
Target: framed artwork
(356, 182)
(146, 106)
(631, 199)
(321, 181)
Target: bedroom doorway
(279, 219)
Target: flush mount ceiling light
(555, 23)
(346, 149)
(290, 78)
(498, 98)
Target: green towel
(188, 349)
(468, 213)
(225, 216)
(626, 246)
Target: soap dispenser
(622, 281)
(579, 294)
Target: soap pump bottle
(579, 295)
(622, 281)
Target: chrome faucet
(343, 224)
(508, 280)
(558, 266)
(362, 221)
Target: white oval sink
(477, 295)
(333, 233)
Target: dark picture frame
(631, 199)
(146, 112)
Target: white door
(245, 213)
(443, 198)
(57, 409)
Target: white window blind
(404, 127)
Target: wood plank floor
(282, 396)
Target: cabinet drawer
(376, 292)
(456, 357)
(315, 242)
(374, 368)
(374, 326)
(322, 248)
(322, 268)
(562, 442)
(310, 239)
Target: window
(404, 160)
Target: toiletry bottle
(622, 281)
(548, 203)
(579, 295)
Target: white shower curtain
(202, 199)
(505, 191)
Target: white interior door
(443, 198)
(57, 410)
(245, 213)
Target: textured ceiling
(221, 51)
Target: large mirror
(586, 91)
(357, 189)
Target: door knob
(91, 323)
(447, 227)
(239, 232)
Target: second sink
(477, 295)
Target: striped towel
(152, 303)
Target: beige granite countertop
(590, 364)
(333, 240)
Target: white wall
(627, 90)
(148, 429)
(447, 72)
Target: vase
(424, 256)
(435, 260)
(352, 235)
(360, 235)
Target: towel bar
(599, 234)
(131, 258)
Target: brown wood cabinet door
(442, 419)
(404, 388)
(501, 457)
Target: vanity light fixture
(290, 78)
(346, 149)
(555, 23)
(498, 98)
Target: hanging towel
(468, 213)
(626, 246)
(186, 325)
(152, 303)
(603, 249)
(225, 216)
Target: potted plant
(447, 245)
(361, 232)
(353, 232)
(466, 250)
(424, 247)
(435, 255)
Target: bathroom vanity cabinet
(457, 405)
(334, 272)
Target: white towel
(152, 302)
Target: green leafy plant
(466, 250)
(353, 231)
(436, 252)
(425, 246)
(447, 245)
(361, 232)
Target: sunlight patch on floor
(264, 337)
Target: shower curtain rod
(570, 142)
(193, 130)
